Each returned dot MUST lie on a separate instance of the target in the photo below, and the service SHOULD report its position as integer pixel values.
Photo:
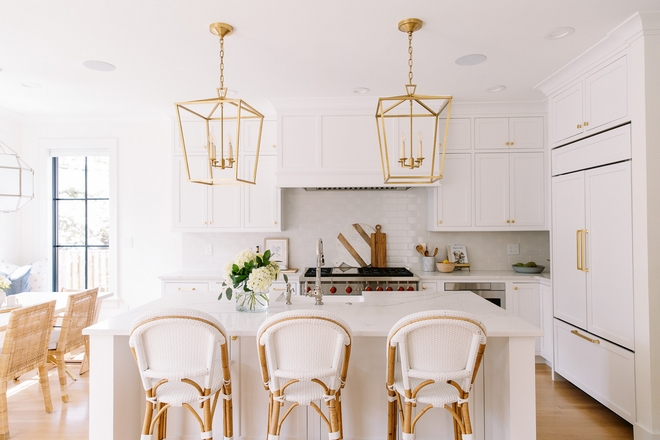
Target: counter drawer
(171, 287)
(603, 370)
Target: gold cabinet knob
(586, 124)
(274, 223)
(513, 221)
(579, 126)
(439, 222)
(233, 338)
(508, 221)
(424, 288)
(511, 143)
(506, 143)
(274, 146)
(515, 287)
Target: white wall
(309, 215)
(10, 243)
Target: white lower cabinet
(230, 208)
(177, 286)
(526, 304)
(603, 370)
(546, 322)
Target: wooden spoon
(420, 249)
(435, 252)
(426, 253)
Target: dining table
(26, 299)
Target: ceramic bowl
(537, 269)
(445, 267)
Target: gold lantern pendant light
(216, 125)
(408, 129)
(16, 180)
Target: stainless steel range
(354, 280)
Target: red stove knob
(400, 289)
(389, 288)
(379, 289)
(368, 288)
(309, 289)
(349, 289)
(333, 289)
(411, 288)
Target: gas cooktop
(360, 272)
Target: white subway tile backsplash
(309, 215)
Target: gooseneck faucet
(317, 293)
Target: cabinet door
(606, 95)
(224, 207)
(568, 282)
(527, 305)
(566, 114)
(546, 322)
(262, 201)
(527, 197)
(250, 133)
(492, 189)
(190, 199)
(491, 133)
(609, 253)
(451, 201)
(526, 133)
(459, 136)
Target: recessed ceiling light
(497, 88)
(471, 60)
(100, 66)
(32, 85)
(361, 90)
(558, 33)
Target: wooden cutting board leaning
(378, 248)
(354, 245)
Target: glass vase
(248, 301)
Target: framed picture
(456, 253)
(279, 250)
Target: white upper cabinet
(597, 101)
(508, 133)
(450, 203)
(230, 208)
(459, 136)
(509, 190)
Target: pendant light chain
(222, 62)
(410, 59)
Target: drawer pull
(186, 288)
(277, 288)
(593, 341)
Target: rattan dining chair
(78, 315)
(183, 361)
(432, 359)
(304, 358)
(24, 349)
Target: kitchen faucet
(320, 261)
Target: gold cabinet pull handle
(593, 341)
(584, 250)
(578, 249)
(186, 288)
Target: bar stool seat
(432, 360)
(304, 358)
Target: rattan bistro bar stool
(432, 359)
(183, 361)
(304, 358)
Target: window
(81, 222)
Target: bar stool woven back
(183, 361)
(304, 358)
(432, 359)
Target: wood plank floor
(563, 411)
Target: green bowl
(523, 269)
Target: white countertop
(372, 318)
(200, 275)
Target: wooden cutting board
(378, 248)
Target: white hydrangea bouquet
(249, 277)
(4, 283)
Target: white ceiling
(164, 52)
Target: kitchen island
(503, 400)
